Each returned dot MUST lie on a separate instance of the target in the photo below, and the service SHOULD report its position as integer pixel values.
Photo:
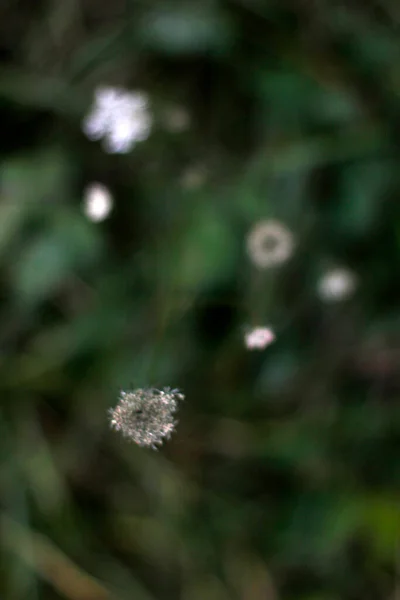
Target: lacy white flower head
(269, 243)
(259, 338)
(97, 202)
(121, 117)
(146, 415)
(337, 284)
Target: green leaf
(363, 189)
(43, 266)
(12, 216)
(34, 179)
(380, 518)
(317, 526)
(52, 256)
(207, 255)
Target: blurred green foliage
(282, 479)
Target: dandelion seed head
(337, 284)
(259, 338)
(120, 117)
(97, 203)
(146, 415)
(269, 243)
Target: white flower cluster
(259, 338)
(120, 117)
(146, 416)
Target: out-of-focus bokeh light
(338, 284)
(97, 202)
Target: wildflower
(97, 202)
(337, 284)
(259, 338)
(146, 416)
(121, 117)
(269, 243)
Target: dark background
(282, 480)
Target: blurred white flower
(337, 284)
(97, 202)
(269, 243)
(259, 338)
(121, 117)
